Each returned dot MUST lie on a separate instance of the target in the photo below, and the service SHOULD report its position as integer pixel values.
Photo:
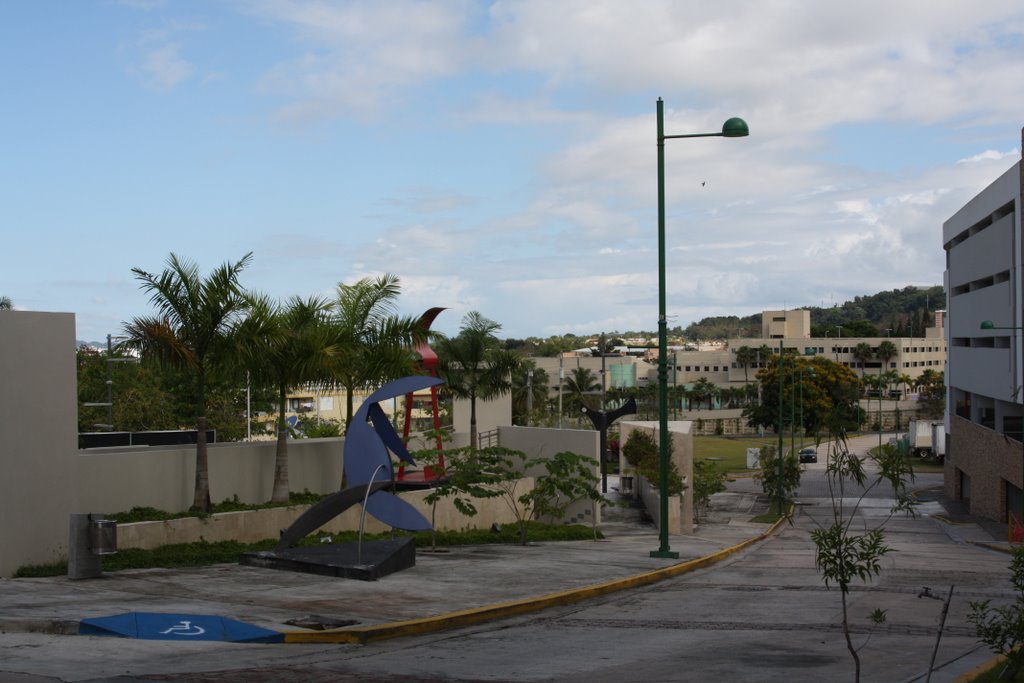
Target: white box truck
(939, 440)
(921, 437)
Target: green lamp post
(779, 427)
(733, 128)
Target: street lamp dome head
(735, 128)
(987, 325)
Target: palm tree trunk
(280, 493)
(472, 423)
(348, 406)
(201, 499)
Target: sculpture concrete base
(376, 559)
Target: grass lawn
(731, 452)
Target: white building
(985, 402)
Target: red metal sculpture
(427, 366)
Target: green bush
(642, 452)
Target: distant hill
(905, 312)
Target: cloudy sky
(498, 156)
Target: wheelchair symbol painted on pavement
(184, 628)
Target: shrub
(642, 452)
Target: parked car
(808, 455)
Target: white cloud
(989, 155)
(361, 54)
(163, 67)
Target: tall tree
(746, 356)
(885, 352)
(582, 381)
(5, 303)
(286, 345)
(704, 392)
(529, 392)
(474, 365)
(829, 393)
(373, 343)
(863, 353)
(193, 327)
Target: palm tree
(474, 365)
(193, 328)
(529, 392)
(885, 352)
(5, 303)
(906, 381)
(286, 345)
(704, 391)
(863, 353)
(374, 344)
(745, 356)
(581, 381)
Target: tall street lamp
(778, 428)
(733, 128)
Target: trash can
(103, 536)
(626, 485)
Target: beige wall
(489, 414)
(537, 442)
(784, 324)
(114, 480)
(680, 517)
(258, 525)
(38, 437)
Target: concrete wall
(489, 414)
(539, 442)
(38, 436)
(257, 525)
(114, 479)
(680, 512)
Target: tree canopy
(827, 393)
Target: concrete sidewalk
(449, 588)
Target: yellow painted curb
(477, 615)
(947, 520)
(977, 671)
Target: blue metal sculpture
(369, 439)
(368, 444)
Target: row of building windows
(851, 364)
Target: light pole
(529, 395)
(733, 128)
(778, 428)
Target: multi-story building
(720, 366)
(717, 361)
(985, 402)
(783, 324)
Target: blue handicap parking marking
(160, 626)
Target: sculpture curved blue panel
(369, 439)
